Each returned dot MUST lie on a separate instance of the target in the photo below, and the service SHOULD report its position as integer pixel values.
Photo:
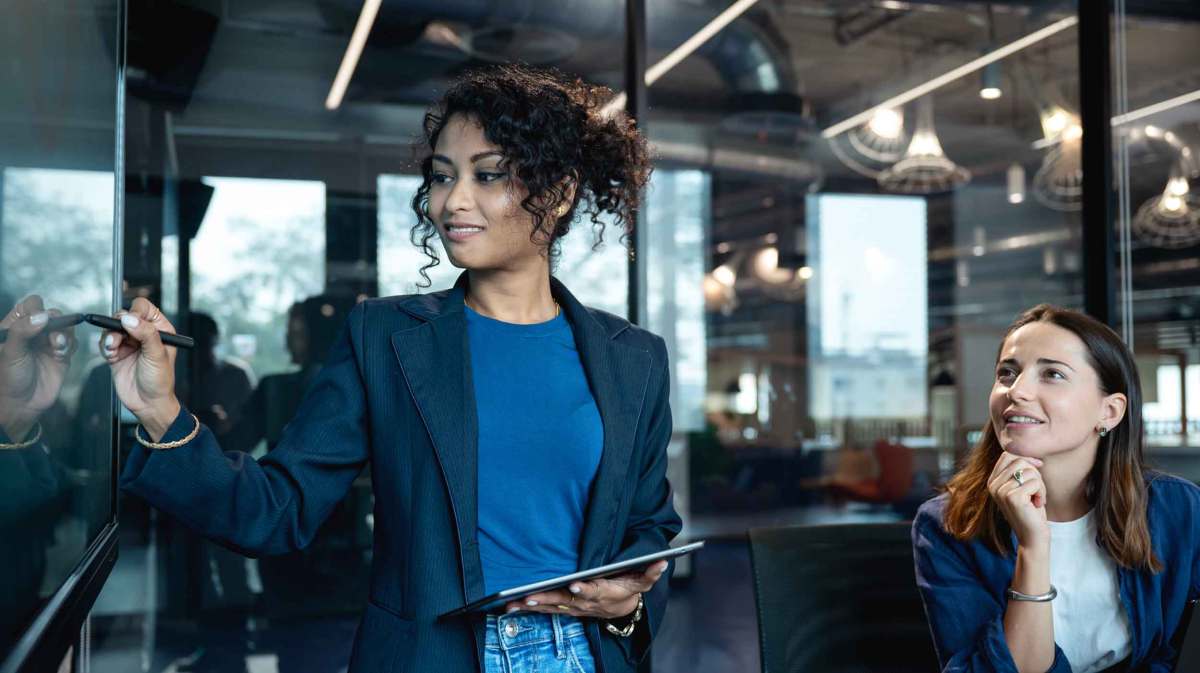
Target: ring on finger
(564, 608)
(1018, 476)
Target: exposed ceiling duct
(748, 57)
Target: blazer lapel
(618, 375)
(434, 359)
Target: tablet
(498, 599)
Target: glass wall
(885, 193)
(850, 202)
(1156, 135)
(861, 197)
(58, 165)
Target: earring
(1103, 431)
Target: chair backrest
(895, 470)
(839, 599)
(1187, 650)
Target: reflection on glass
(52, 235)
(864, 235)
(57, 153)
(1156, 107)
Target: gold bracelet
(167, 445)
(628, 629)
(25, 444)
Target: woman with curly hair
(513, 434)
(1054, 548)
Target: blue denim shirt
(963, 586)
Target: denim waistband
(524, 629)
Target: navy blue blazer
(963, 585)
(396, 392)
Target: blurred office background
(851, 200)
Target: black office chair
(839, 599)
(1192, 648)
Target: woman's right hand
(1022, 504)
(143, 367)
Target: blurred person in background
(306, 634)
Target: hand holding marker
(62, 322)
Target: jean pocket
(383, 639)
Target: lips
(462, 232)
(1014, 419)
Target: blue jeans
(528, 642)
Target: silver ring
(1018, 478)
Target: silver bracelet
(1014, 595)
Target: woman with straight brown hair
(1054, 548)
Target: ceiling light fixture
(1140, 113)
(725, 275)
(1058, 183)
(871, 148)
(358, 39)
(766, 267)
(887, 123)
(1016, 184)
(924, 168)
(990, 82)
(952, 75)
(1171, 219)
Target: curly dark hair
(550, 129)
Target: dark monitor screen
(58, 167)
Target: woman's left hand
(610, 598)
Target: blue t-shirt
(540, 440)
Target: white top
(1090, 624)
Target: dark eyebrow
(1041, 361)
(474, 158)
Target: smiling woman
(1059, 478)
(513, 433)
